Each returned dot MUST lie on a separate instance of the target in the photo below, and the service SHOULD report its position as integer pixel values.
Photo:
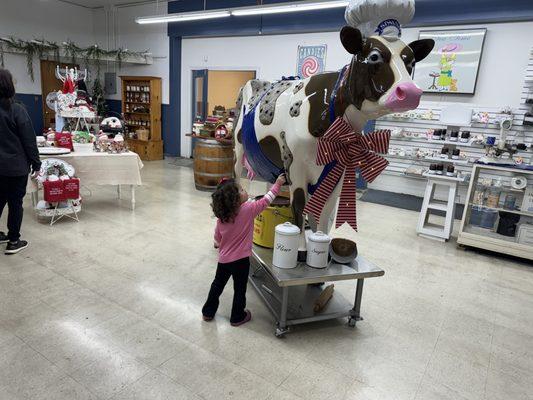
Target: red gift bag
(53, 191)
(64, 140)
(71, 188)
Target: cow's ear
(351, 39)
(421, 48)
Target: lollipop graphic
(310, 66)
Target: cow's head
(380, 73)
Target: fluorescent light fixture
(243, 11)
(288, 7)
(191, 16)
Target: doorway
(49, 83)
(212, 88)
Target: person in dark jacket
(18, 157)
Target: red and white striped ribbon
(351, 150)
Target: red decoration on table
(348, 150)
(64, 140)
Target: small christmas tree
(98, 98)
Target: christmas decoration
(43, 49)
(98, 98)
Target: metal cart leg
(282, 325)
(119, 192)
(356, 311)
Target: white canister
(318, 250)
(286, 241)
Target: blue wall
(34, 106)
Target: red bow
(349, 150)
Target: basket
(143, 134)
(83, 147)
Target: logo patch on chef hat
(389, 27)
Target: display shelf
(444, 177)
(137, 113)
(151, 149)
(137, 102)
(452, 143)
(410, 158)
(410, 138)
(477, 230)
(526, 213)
(448, 160)
(486, 239)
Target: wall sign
(453, 65)
(311, 60)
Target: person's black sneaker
(15, 247)
(3, 238)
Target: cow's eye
(375, 57)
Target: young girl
(233, 238)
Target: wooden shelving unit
(141, 107)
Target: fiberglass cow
(279, 123)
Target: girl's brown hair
(226, 200)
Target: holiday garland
(71, 50)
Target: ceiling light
(192, 16)
(288, 7)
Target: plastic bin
(488, 218)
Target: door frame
(198, 73)
(187, 142)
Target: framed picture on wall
(311, 60)
(453, 64)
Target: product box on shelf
(527, 203)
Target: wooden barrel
(212, 162)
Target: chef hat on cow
(379, 17)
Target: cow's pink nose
(405, 97)
(400, 93)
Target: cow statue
(280, 124)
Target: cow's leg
(298, 204)
(238, 167)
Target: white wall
(500, 77)
(132, 36)
(51, 20)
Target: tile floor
(109, 308)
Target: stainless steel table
(295, 306)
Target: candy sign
(311, 60)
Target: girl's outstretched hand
(281, 180)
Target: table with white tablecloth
(94, 168)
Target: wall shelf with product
(498, 215)
(141, 107)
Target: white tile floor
(109, 308)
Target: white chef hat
(379, 17)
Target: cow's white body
(300, 142)
(401, 95)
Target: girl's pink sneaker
(247, 318)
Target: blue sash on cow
(257, 160)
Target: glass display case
(498, 214)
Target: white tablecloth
(102, 168)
